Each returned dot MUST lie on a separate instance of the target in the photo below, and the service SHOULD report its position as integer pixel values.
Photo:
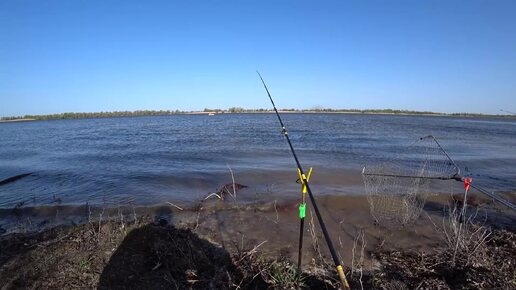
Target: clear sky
(82, 56)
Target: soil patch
(140, 255)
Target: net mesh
(397, 188)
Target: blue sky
(447, 56)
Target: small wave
(14, 178)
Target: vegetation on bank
(141, 254)
(72, 115)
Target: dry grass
(463, 235)
(138, 254)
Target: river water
(181, 158)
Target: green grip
(302, 210)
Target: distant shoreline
(389, 112)
(17, 120)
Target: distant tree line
(96, 115)
(238, 110)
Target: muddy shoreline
(226, 232)
(265, 218)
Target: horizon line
(232, 110)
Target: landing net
(397, 188)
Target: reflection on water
(147, 160)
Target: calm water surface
(148, 160)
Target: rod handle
(342, 277)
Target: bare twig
(198, 217)
(362, 261)
(233, 180)
(276, 210)
(121, 215)
(315, 239)
(214, 194)
(176, 206)
(89, 211)
(134, 214)
(462, 235)
(251, 252)
(100, 223)
(358, 266)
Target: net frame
(397, 188)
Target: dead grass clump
(492, 270)
(464, 237)
(261, 273)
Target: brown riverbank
(221, 235)
(17, 120)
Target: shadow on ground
(164, 257)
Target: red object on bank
(467, 182)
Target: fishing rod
(512, 113)
(304, 181)
(495, 197)
(459, 177)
